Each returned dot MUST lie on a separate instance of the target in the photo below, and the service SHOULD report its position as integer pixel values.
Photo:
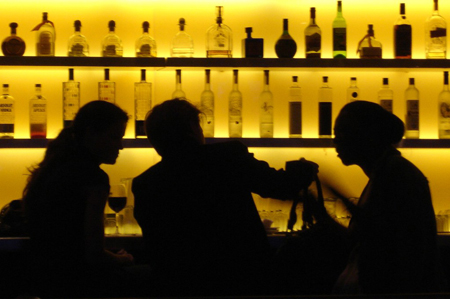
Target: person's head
(174, 125)
(364, 130)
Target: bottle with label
(219, 38)
(266, 109)
(207, 107)
(325, 109)
(412, 110)
(112, 44)
(178, 93)
(313, 37)
(107, 89)
(252, 47)
(45, 37)
(182, 43)
(436, 35)
(286, 47)
(142, 104)
(295, 109)
(369, 47)
(339, 34)
(78, 45)
(38, 114)
(7, 114)
(13, 45)
(235, 109)
(352, 91)
(71, 100)
(145, 45)
(386, 96)
(402, 36)
(444, 110)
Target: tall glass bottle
(112, 44)
(45, 37)
(38, 114)
(325, 109)
(444, 110)
(207, 107)
(13, 45)
(295, 109)
(386, 96)
(402, 36)
(78, 45)
(285, 47)
(436, 35)
(235, 109)
(352, 91)
(412, 110)
(178, 93)
(313, 37)
(219, 38)
(339, 34)
(107, 89)
(266, 109)
(369, 47)
(142, 104)
(145, 45)
(7, 114)
(71, 99)
(182, 43)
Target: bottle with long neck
(295, 109)
(107, 89)
(266, 109)
(436, 35)
(235, 109)
(386, 96)
(178, 93)
(444, 110)
(45, 37)
(71, 99)
(339, 34)
(182, 43)
(112, 44)
(219, 38)
(325, 109)
(13, 45)
(78, 45)
(7, 114)
(286, 47)
(207, 107)
(38, 114)
(402, 36)
(352, 91)
(313, 37)
(369, 47)
(412, 110)
(145, 45)
(142, 104)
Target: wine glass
(117, 201)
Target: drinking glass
(117, 201)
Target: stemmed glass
(117, 201)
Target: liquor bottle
(252, 47)
(325, 109)
(235, 109)
(45, 37)
(339, 34)
(178, 93)
(71, 100)
(145, 45)
(386, 96)
(266, 109)
(38, 115)
(436, 35)
(142, 104)
(295, 109)
(313, 37)
(219, 38)
(112, 44)
(207, 107)
(444, 110)
(369, 47)
(78, 45)
(402, 36)
(286, 47)
(7, 114)
(13, 45)
(182, 43)
(412, 110)
(352, 91)
(107, 89)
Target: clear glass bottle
(13, 45)
(78, 44)
(352, 91)
(38, 114)
(235, 109)
(266, 109)
(386, 96)
(45, 37)
(107, 89)
(369, 47)
(219, 38)
(145, 45)
(285, 47)
(444, 110)
(313, 37)
(112, 44)
(436, 35)
(295, 109)
(182, 43)
(339, 34)
(178, 93)
(7, 114)
(207, 107)
(325, 109)
(402, 36)
(71, 99)
(412, 110)
(142, 104)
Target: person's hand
(306, 171)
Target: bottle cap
(111, 25)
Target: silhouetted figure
(201, 229)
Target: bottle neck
(5, 90)
(285, 26)
(339, 10)
(235, 82)
(38, 91)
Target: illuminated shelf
(83, 61)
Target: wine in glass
(117, 201)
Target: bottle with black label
(325, 109)
(402, 36)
